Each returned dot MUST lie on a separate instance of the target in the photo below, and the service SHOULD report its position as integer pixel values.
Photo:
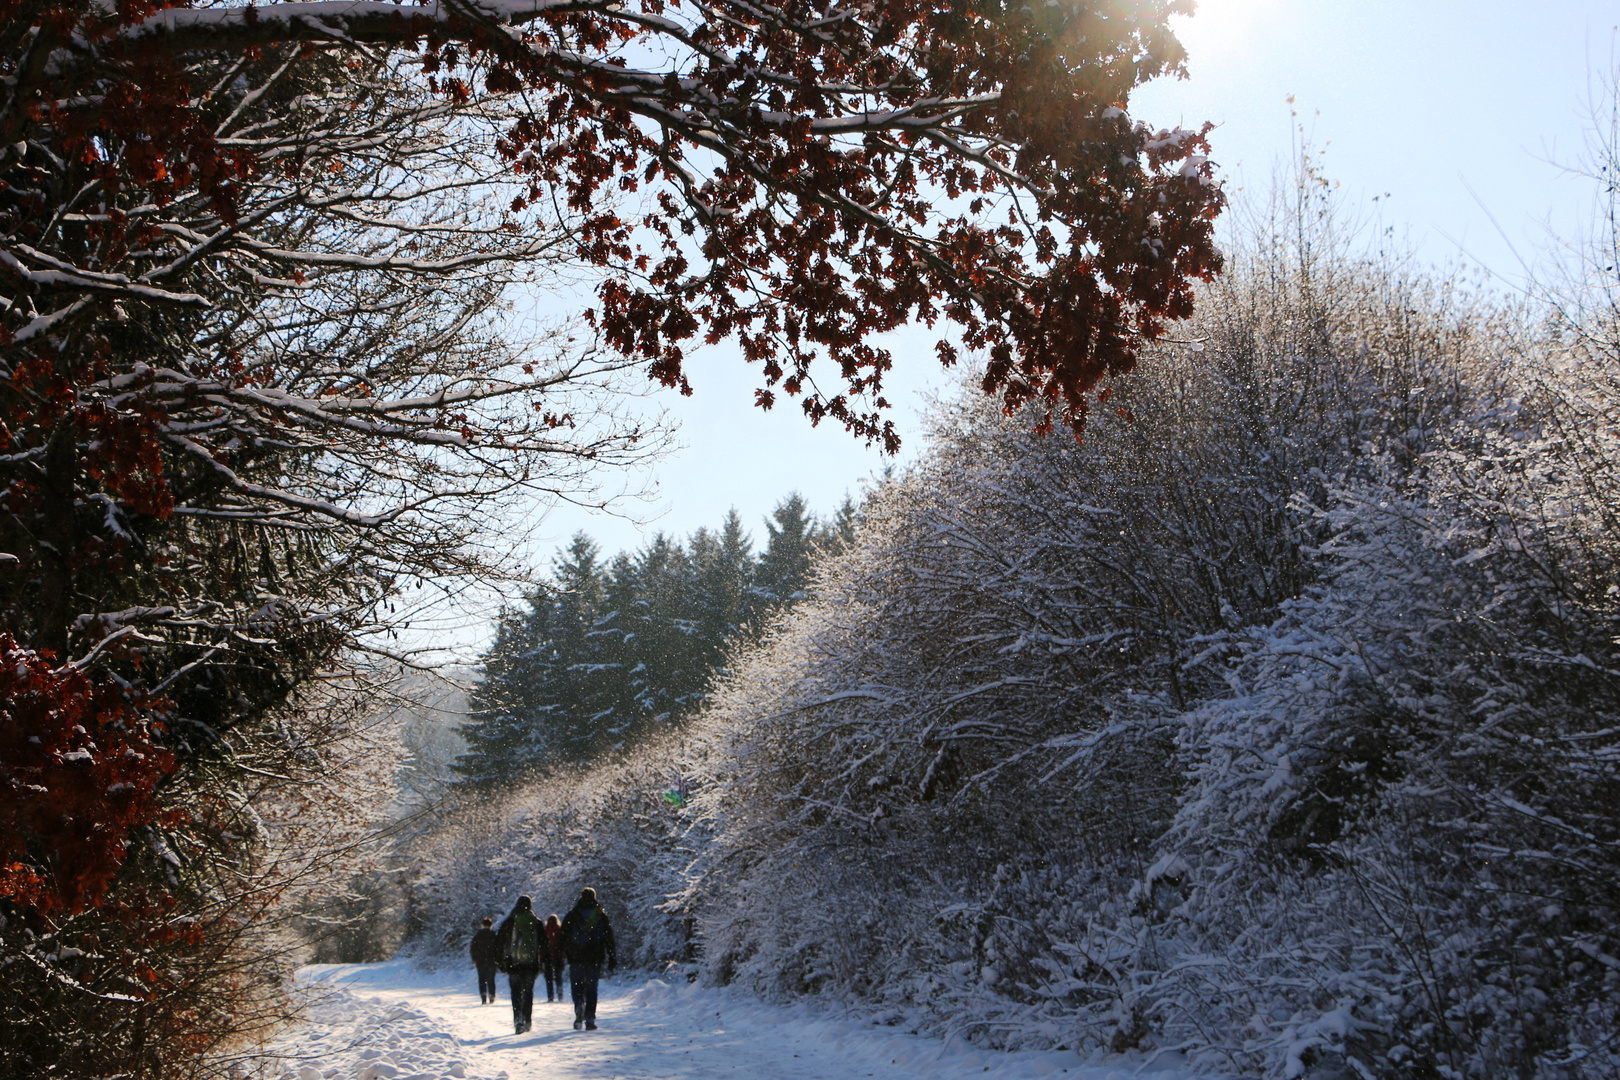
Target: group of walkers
(524, 948)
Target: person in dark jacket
(587, 943)
(552, 960)
(483, 958)
(518, 946)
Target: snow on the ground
(395, 1021)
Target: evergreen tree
(790, 549)
(605, 653)
(618, 639)
(584, 641)
(723, 568)
(665, 630)
(550, 689)
(500, 705)
(839, 534)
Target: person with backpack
(552, 961)
(587, 943)
(519, 949)
(484, 958)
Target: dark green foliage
(606, 651)
(665, 673)
(554, 676)
(784, 569)
(722, 564)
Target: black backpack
(588, 932)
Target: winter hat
(525, 904)
(587, 898)
(488, 921)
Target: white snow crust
(396, 1021)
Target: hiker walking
(484, 957)
(519, 940)
(588, 943)
(551, 961)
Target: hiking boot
(578, 1024)
(590, 1025)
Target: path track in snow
(395, 1021)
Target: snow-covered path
(395, 1021)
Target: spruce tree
(501, 720)
(617, 641)
(605, 653)
(664, 631)
(550, 687)
(723, 568)
(587, 711)
(784, 570)
(839, 534)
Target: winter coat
(484, 947)
(587, 937)
(554, 949)
(519, 941)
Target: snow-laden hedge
(1276, 724)
(617, 828)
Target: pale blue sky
(1448, 113)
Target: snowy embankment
(398, 1022)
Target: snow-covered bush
(1397, 838)
(617, 826)
(1271, 724)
